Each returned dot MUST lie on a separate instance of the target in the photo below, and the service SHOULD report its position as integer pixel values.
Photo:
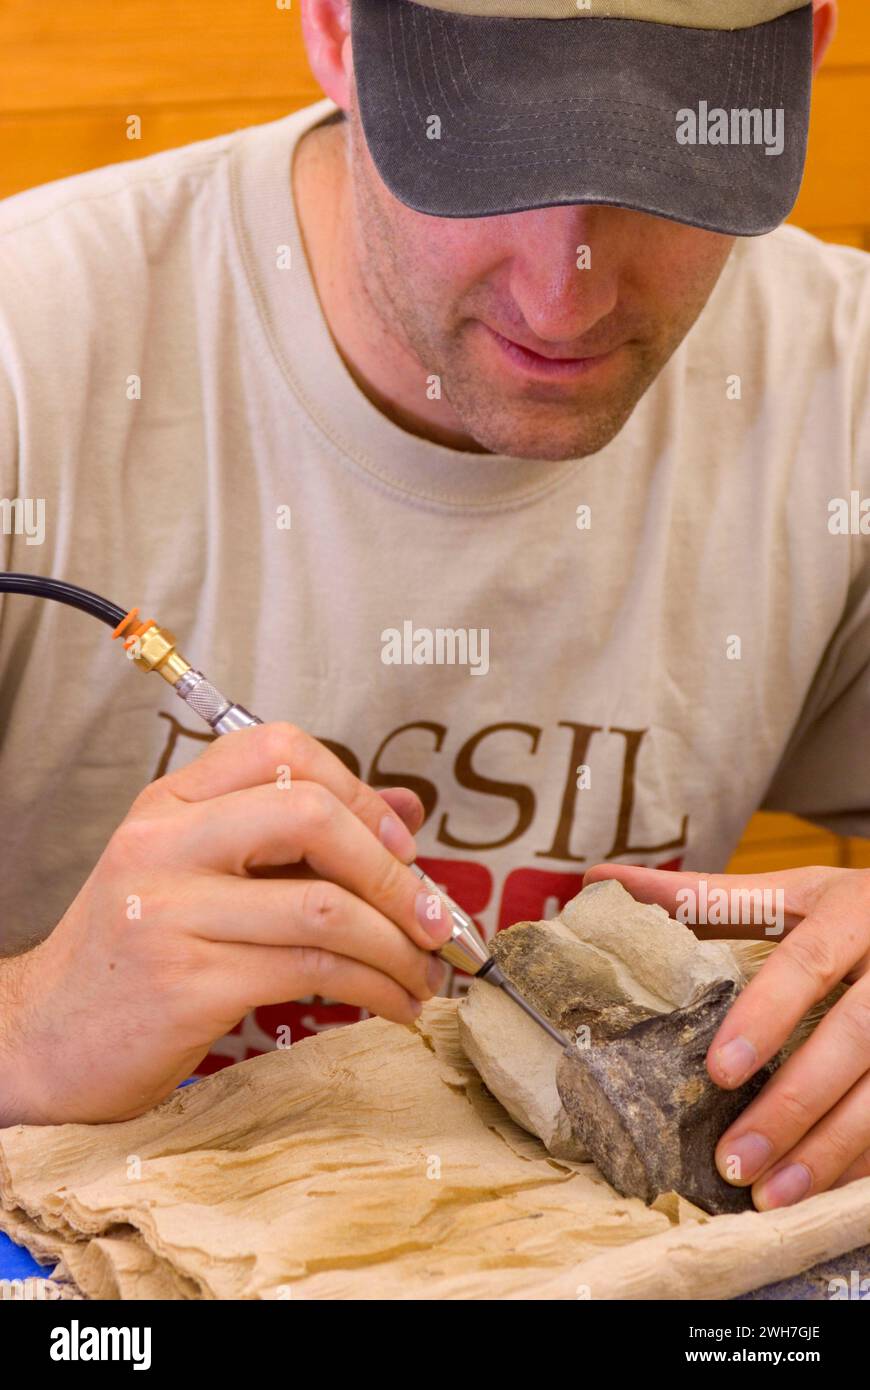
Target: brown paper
(370, 1162)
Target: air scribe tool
(153, 648)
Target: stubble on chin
(548, 426)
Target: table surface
(16, 1263)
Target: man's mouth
(542, 365)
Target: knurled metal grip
(204, 699)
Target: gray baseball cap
(694, 110)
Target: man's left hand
(809, 1127)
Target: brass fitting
(153, 648)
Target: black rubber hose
(62, 592)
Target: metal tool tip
(495, 977)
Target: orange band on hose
(138, 631)
(125, 622)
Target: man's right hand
(223, 889)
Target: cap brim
(473, 116)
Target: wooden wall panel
(161, 52)
(852, 46)
(41, 141)
(836, 187)
(71, 74)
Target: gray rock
(605, 949)
(642, 1104)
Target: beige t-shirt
(632, 688)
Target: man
(491, 434)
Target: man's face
(459, 292)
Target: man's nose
(562, 277)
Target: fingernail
(436, 974)
(745, 1157)
(416, 1007)
(415, 813)
(432, 914)
(785, 1187)
(735, 1060)
(397, 838)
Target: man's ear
(825, 26)
(326, 30)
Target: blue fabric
(15, 1263)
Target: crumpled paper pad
(370, 1162)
